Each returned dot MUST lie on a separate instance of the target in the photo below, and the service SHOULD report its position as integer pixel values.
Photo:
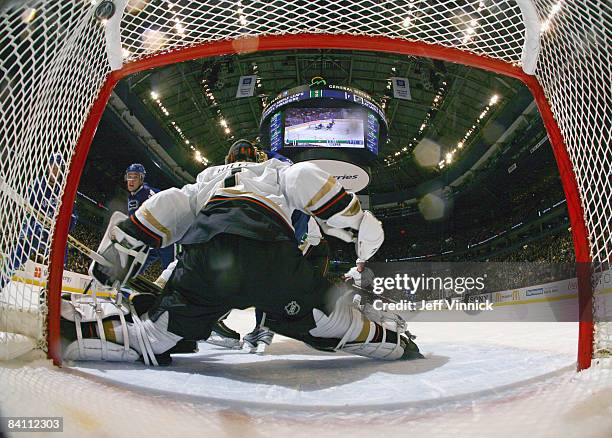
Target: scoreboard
(324, 117)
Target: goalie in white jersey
(239, 251)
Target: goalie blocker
(124, 253)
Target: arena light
(134, 6)
(28, 15)
(492, 101)
(436, 103)
(154, 95)
(223, 123)
(545, 26)
(152, 40)
(408, 20)
(427, 153)
(432, 206)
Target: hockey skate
(223, 336)
(257, 340)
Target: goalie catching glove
(123, 247)
(370, 234)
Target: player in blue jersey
(43, 198)
(139, 192)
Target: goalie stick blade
(143, 285)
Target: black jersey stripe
(145, 234)
(335, 205)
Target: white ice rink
(485, 379)
(342, 130)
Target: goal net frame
(534, 13)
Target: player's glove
(124, 253)
(370, 234)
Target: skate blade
(260, 348)
(226, 343)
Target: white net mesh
(574, 70)
(54, 62)
(52, 65)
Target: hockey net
(58, 63)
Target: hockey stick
(19, 200)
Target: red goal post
(496, 36)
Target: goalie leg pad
(358, 334)
(81, 309)
(92, 349)
(140, 337)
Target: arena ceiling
(195, 102)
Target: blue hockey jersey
(136, 199)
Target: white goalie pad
(85, 308)
(141, 337)
(125, 254)
(96, 349)
(349, 324)
(376, 350)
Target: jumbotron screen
(325, 127)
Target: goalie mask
(244, 150)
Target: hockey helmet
(242, 150)
(136, 168)
(56, 159)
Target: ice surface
(482, 380)
(292, 374)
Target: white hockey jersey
(272, 188)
